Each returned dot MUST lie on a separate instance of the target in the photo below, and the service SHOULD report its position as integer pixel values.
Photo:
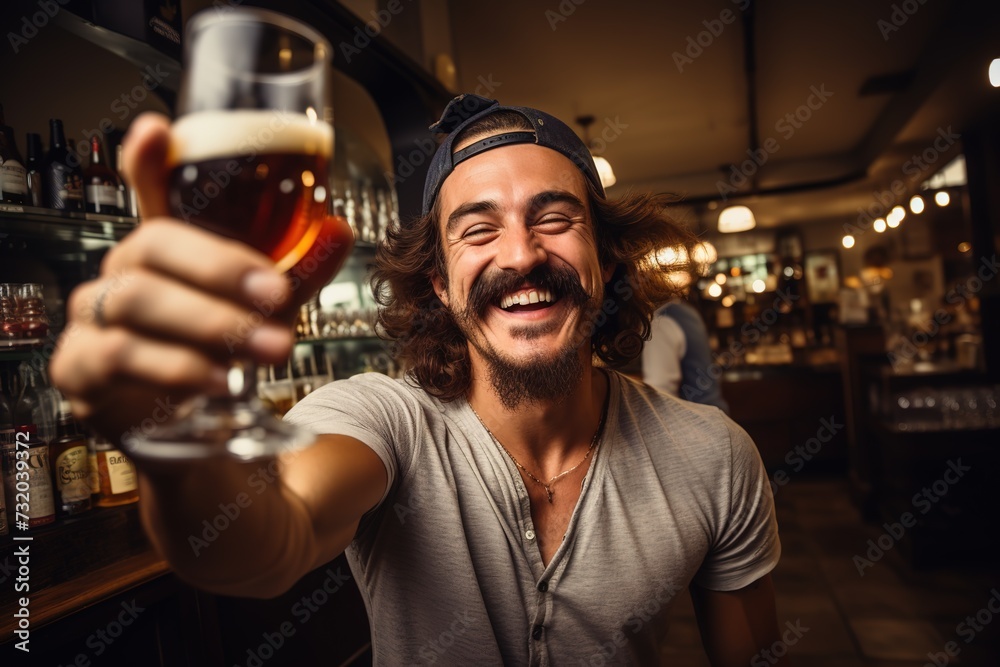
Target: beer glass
(249, 159)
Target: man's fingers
(101, 365)
(152, 305)
(144, 162)
(220, 266)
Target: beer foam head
(209, 135)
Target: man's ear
(437, 282)
(607, 271)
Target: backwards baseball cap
(464, 110)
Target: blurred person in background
(677, 359)
(513, 491)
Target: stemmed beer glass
(249, 159)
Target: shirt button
(529, 534)
(543, 586)
(536, 633)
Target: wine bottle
(34, 168)
(101, 184)
(63, 178)
(13, 175)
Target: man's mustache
(490, 287)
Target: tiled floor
(893, 616)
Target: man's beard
(537, 379)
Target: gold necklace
(548, 487)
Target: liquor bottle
(35, 405)
(69, 464)
(119, 484)
(13, 175)
(41, 501)
(34, 167)
(129, 198)
(63, 178)
(101, 183)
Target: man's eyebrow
(555, 197)
(470, 208)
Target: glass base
(214, 428)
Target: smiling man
(513, 500)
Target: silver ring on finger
(98, 308)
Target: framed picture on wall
(822, 276)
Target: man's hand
(173, 306)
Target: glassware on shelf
(10, 321)
(31, 310)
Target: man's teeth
(526, 297)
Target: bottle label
(41, 503)
(13, 178)
(121, 472)
(73, 475)
(64, 188)
(102, 195)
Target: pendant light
(604, 170)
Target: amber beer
(256, 176)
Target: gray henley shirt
(448, 564)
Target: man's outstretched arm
(740, 628)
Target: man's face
(523, 276)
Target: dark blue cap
(464, 110)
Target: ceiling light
(704, 253)
(720, 278)
(728, 301)
(917, 204)
(715, 290)
(758, 286)
(895, 216)
(604, 170)
(879, 225)
(788, 272)
(995, 73)
(736, 219)
(942, 198)
(669, 257)
(848, 241)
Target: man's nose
(520, 250)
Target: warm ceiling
(684, 127)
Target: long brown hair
(423, 334)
